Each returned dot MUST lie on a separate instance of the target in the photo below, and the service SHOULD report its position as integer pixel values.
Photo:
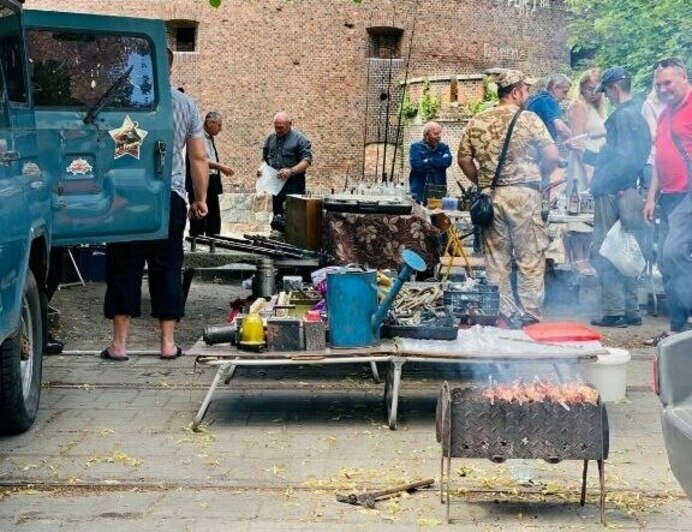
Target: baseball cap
(507, 78)
(612, 75)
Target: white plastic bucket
(608, 374)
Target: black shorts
(125, 267)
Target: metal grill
(469, 425)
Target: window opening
(385, 42)
(182, 35)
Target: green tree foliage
(632, 33)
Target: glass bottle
(573, 202)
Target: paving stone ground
(112, 449)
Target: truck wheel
(20, 364)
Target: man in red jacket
(671, 178)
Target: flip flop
(106, 355)
(178, 352)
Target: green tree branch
(632, 33)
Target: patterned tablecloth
(377, 240)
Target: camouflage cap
(507, 78)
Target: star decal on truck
(128, 139)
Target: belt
(535, 185)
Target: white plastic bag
(622, 250)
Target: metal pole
(401, 102)
(367, 103)
(386, 116)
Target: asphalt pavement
(112, 449)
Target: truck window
(74, 69)
(11, 56)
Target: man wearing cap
(546, 104)
(670, 180)
(429, 159)
(517, 231)
(617, 169)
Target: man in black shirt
(618, 167)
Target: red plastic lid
(313, 315)
(561, 331)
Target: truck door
(23, 194)
(102, 104)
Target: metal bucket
(351, 304)
(264, 282)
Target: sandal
(655, 340)
(106, 355)
(178, 352)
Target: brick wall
(308, 57)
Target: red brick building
(315, 59)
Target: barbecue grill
(469, 425)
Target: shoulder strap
(503, 154)
(677, 141)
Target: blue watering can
(354, 317)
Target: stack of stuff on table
(352, 307)
(418, 312)
(288, 321)
(295, 318)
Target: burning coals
(539, 391)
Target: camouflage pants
(517, 233)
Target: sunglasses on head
(671, 62)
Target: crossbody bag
(482, 210)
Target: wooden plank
(458, 262)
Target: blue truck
(85, 122)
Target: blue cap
(612, 75)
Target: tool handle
(402, 487)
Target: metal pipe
(275, 244)
(239, 246)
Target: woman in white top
(651, 110)
(586, 115)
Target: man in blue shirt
(546, 104)
(429, 159)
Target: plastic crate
(478, 305)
